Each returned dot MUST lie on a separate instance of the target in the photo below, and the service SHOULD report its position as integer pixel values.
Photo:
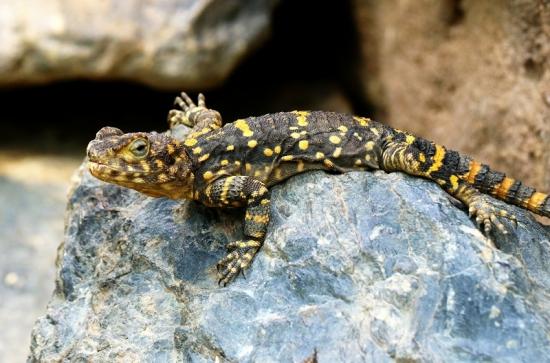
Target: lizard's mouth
(101, 171)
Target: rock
(169, 44)
(471, 75)
(359, 267)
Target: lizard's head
(154, 164)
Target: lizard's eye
(139, 148)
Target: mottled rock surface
(169, 44)
(360, 267)
(472, 75)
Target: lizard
(234, 165)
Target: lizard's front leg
(241, 191)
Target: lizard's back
(275, 146)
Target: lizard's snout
(90, 150)
(99, 145)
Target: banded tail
(507, 189)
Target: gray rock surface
(360, 267)
(168, 43)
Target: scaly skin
(234, 165)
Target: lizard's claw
(487, 215)
(237, 260)
(186, 103)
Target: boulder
(364, 266)
(168, 44)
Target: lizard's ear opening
(108, 131)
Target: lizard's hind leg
(417, 156)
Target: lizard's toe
(488, 216)
(237, 260)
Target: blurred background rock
(471, 75)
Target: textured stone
(169, 44)
(472, 75)
(360, 267)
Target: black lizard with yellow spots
(235, 164)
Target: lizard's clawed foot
(188, 107)
(487, 215)
(237, 260)
(177, 117)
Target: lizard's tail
(507, 189)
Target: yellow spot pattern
(454, 182)
(190, 142)
(268, 152)
(501, 190)
(301, 117)
(145, 166)
(536, 200)
(243, 126)
(303, 144)
(230, 147)
(208, 175)
(361, 120)
(252, 143)
(437, 159)
(225, 189)
(369, 145)
(258, 218)
(337, 152)
(334, 139)
(422, 157)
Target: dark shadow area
(309, 55)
